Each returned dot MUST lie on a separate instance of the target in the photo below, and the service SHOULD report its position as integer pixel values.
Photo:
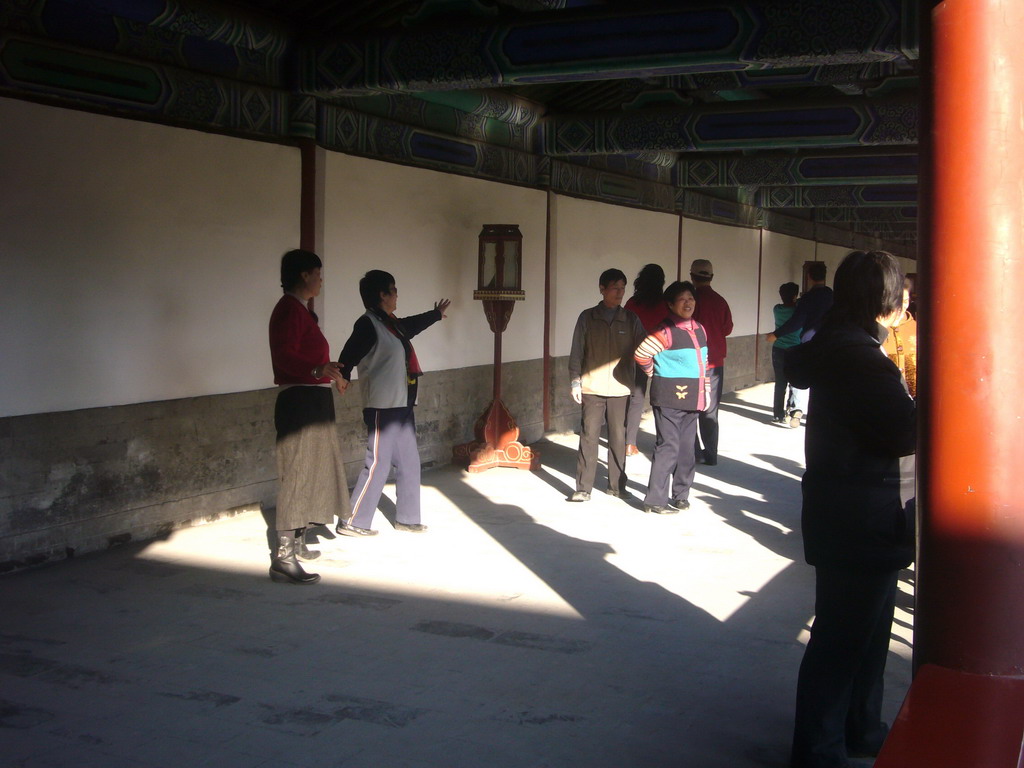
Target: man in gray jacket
(603, 375)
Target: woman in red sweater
(648, 303)
(309, 462)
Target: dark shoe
(870, 746)
(301, 550)
(703, 458)
(284, 567)
(347, 529)
(656, 510)
(410, 527)
(580, 496)
(794, 419)
(680, 504)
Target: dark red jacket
(713, 313)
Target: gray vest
(382, 372)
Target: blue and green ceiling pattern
(778, 113)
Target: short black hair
(868, 285)
(788, 291)
(372, 285)
(610, 276)
(293, 264)
(817, 270)
(678, 287)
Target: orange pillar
(966, 705)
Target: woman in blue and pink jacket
(675, 356)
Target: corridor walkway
(520, 631)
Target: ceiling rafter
(601, 45)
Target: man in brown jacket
(603, 375)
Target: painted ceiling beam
(115, 84)
(882, 196)
(840, 75)
(853, 122)
(199, 36)
(808, 167)
(895, 215)
(570, 46)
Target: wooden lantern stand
(497, 436)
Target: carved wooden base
(497, 443)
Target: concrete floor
(520, 631)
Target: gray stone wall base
(74, 482)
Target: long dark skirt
(309, 462)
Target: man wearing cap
(714, 314)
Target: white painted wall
(138, 262)
(734, 253)
(782, 262)
(423, 227)
(592, 237)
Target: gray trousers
(636, 407)
(390, 442)
(597, 410)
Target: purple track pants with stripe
(390, 442)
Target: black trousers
(707, 420)
(840, 685)
(782, 400)
(674, 464)
(597, 410)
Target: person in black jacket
(857, 525)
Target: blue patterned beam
(196, 36)
(807, 168)
(883, 196)
(438, 114)
(359, 133)
(868, 215)
(745, 125)
(591, 45)
(76, 78)
(798, 77)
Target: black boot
(301, 550)
(285, 567)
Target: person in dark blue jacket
(857, 517)
(806, 319)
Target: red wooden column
(308, 201)
(966, 705)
